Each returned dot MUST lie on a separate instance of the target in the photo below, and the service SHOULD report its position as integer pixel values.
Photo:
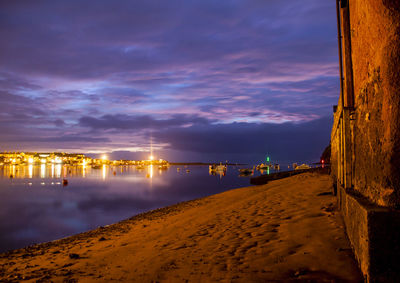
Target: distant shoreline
(202, 163)
(170, 163)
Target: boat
(263, 166)
(217, 168)
(221, 167)
(246, 171)
(302, 167)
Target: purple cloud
(125, 122)
(116, 70)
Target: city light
(59, 158)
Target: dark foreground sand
(287, 230)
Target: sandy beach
(286, 230)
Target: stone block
(374, 233)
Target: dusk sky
(195, 80)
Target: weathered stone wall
(335, 141)
(365, 140)
(375, 50)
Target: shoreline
(285, 230)
(204, 164)
(102, 230)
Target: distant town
(35, 158)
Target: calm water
(36, 207)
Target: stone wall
(375, 123)
(375, 49)
(365, 139)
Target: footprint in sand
(245, 248)
(257, 224)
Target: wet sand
(287, 230)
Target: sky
(188, 80)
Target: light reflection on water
(37, 206)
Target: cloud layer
(102, 76)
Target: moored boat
(246, 171)
(302, 167)
(215, 168)
(263, 166)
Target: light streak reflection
(58, 171)
(30, 171)
(43, 171)
(104, 172)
